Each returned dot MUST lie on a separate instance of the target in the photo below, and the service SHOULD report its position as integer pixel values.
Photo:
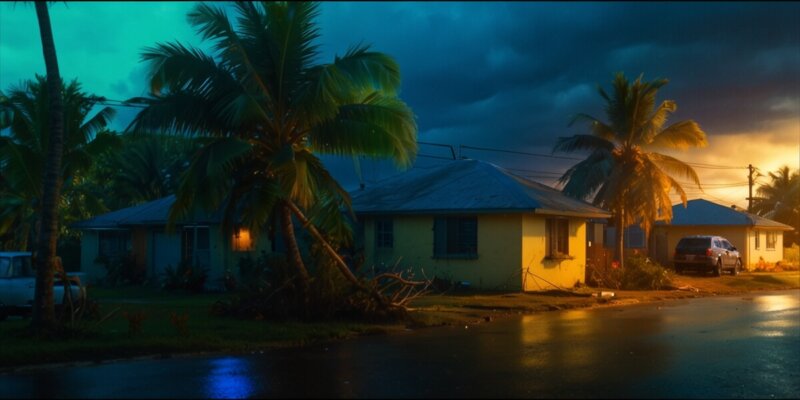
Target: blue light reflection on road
(229, 378)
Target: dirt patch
(481, 307)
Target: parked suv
(706, 253)
(18, 283)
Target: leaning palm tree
(623, 170)
(265, 109)
(780, 198)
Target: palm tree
(265, 109)
(43, 319)
(147, 167)
(622, 170)
(24, 152)
(780, 199)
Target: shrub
(269, 290)
(185, 277)
(180, 322)
(639, 273)
(135, 320)
(122, 270)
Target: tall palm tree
(43, 319)
(780, 199)
(23, 154)
(623, 170)
(265, 108)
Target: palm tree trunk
(619, 246)
(292, 249)
(342, 266)
(43, 320)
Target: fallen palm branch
(398, 300)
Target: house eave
(445, 211)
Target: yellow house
(758, 239)
(477, 224)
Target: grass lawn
(158, 335)
(207, 333)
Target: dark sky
(500, 75)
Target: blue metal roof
(151, 213)
(704, 212)
(466, 186)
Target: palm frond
(206, 183)
(656, 121)
(584, 178)
(380, 127)
(292, 27)
(582, 142)
(213, 23)
(597, 127)
(178, 112)
(91, 127)
(680, 135)
(673, 166)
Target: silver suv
(707, 253)
(18, 283)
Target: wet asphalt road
(722, 347)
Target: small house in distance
(137, 234)
(472, 221)
(757, 238)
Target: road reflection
(229, 378)
(730, 347)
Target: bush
(122, 270)
(639, 273)
(269, 290)
(642, 274)
(185, 277)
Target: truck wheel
(737, 268)
(718, 268)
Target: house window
(557, 237)
(242, 241)
(455, 237)
(195, 243)
(772, 238)
(384, 233)
(113, 243)
(758, 239)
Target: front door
(166, 252)
(195, 245)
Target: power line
(710, 166)
(518, 152)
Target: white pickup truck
(18, 283)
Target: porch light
(242, 240)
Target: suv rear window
(694, 243)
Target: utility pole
(750, 184)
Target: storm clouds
(502, 75)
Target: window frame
(757, 244)
(384, 233)
(121, 242)
(772, 244)
(465, 243)
(557, 248)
